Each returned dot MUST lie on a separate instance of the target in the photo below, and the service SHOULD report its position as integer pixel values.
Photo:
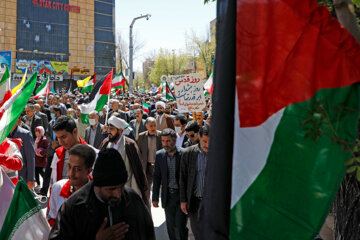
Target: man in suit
(138, 124)
(149, 142)
(167, 171)
(163, 120)
(27, 172)
(180, 124)
(56, 102)
(94, 134)
(31, 119)
(116, 108)
(192, 177)
(43, 108)
(43, 117)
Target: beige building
(63, 39)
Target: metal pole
(131, 52)
(131, 49)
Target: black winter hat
(109, 169)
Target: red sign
(57, 6)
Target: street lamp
(131, 49)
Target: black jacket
(81, 216)
(161, 174)
(36, 121)
(188, 168)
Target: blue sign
(5, 60)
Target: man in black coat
(31, 119)
(166, 175)
(104, 207)
(43, 117)
(192, 178)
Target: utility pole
(131, 51)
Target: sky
(166, 28)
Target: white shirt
(56, 200)
(179, 140)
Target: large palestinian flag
(296, 100)
(97, 99)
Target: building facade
(63, 39)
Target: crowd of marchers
(98, 175)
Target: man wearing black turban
(104, 208)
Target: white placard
(189, 92)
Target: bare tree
(203, 48)
(122, 50)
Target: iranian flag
(89, 84)
(24, 218)
(118, 82)
(5, 91)
(209, 86)
(146, 107)
(12, 108)
(294, 71)
(97, 99)
(43, 89)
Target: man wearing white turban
(163, 120)
(130, 154)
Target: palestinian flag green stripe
(87, 89)
(297, 182)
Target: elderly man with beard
(104, 208)
(163, 120)
(130, 154)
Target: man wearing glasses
(192, 133)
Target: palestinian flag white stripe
(258, 144)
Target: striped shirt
(171, 162)
(200, 173)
